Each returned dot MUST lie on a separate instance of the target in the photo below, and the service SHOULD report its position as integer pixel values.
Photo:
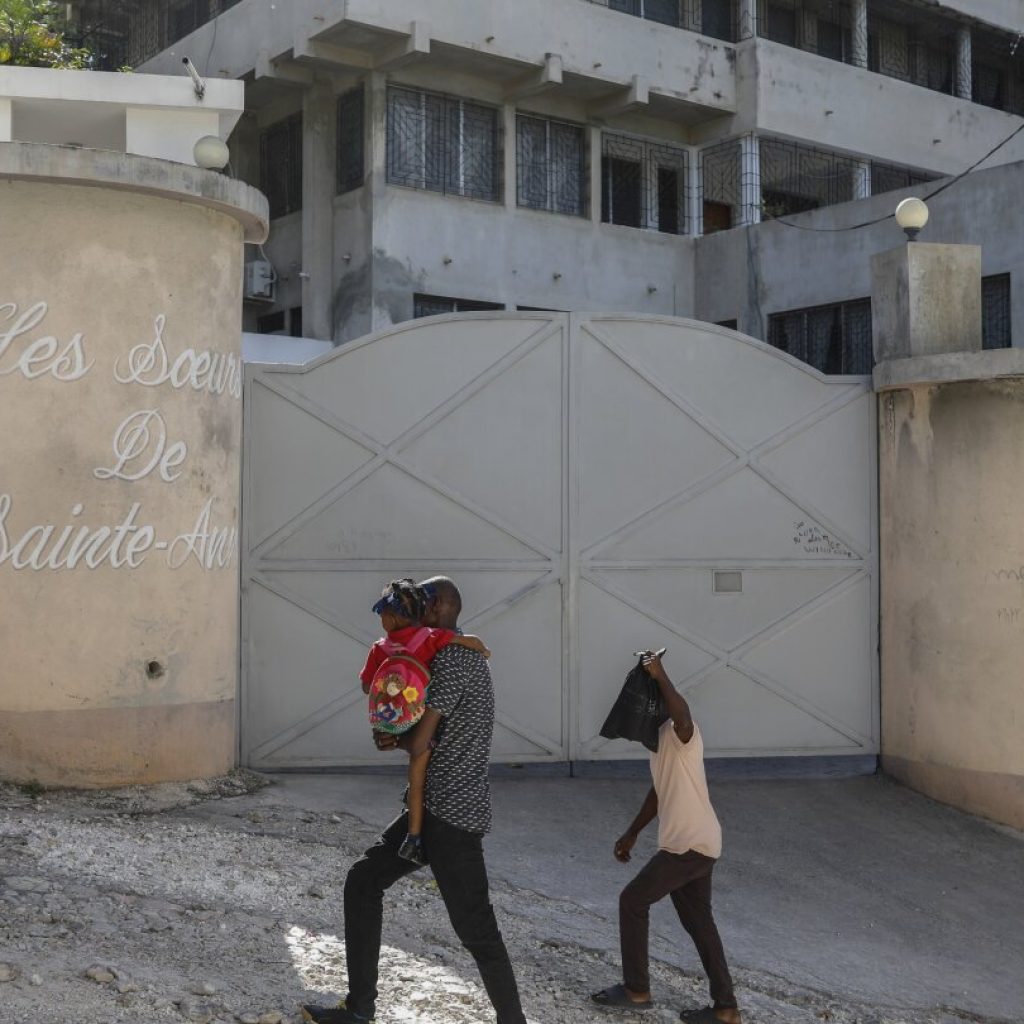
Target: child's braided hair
(406, 598)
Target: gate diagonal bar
(500, 418)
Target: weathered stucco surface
(952, 543)
(120, 419)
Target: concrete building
(433, 156)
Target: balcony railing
(715, 18)
(903, 41)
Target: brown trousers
(686, 877)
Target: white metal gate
(587, 480)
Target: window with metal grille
(715, 18)
(834, 339)
(988, 85)
(185, 16)
(643, 184)
(351, 158)
(434, 305)
(888, 177)
(795, 178)
(995, 311)
(281, 166)
(443, 144)
(551, 166)
(721, 198)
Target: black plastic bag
(638, 712)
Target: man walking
(457, 725)
(689, 843)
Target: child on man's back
(396, 677)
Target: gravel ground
(130, 906)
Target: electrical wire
(942, 188)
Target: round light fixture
(210, 153)
(912, 215)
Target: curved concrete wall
(120, 421)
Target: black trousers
(457, 860)
(686, 877)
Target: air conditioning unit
(260, 281)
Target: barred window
(351, 159)
(995, 311)
(281, 166)
(888, 177)
(435, 305)
(834, 339)
(796, 178)
(643, 184)
(443, 144)
(714, 18)
(551, 165)
(185, 16)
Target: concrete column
(695, 193)
(594, 137)
(963, 65)
(319, 185)
(511, 172)
(926, 301)
(750, 180)
(747, 19)
(6, 126)
(859, 33)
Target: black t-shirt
(458, 791)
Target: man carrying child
(458, 724)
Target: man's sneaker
(412, 849)
(332, 1014)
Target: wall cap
(101, 168)
(948, 368)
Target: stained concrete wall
(952, 599)
(120, 387)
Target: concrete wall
(120, 413)
(952, 487)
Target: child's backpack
(399, 686)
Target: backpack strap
(418, 639)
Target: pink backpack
(399, 686)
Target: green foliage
(31, 35)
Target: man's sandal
(617, 998)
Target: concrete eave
(948, 368)
(30, 161)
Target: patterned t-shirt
(458, 791)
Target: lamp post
(912, 215)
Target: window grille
(797, 178)
(435, 305)
(995, 311)
(281, 166)
(443, 144)
(154, 25)
(720, 185)
(643, 184)
(889, 177)
(835, 339)
(351, 135)
(715, 18)
(551, 165)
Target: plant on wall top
(31, 35)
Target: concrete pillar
(6, 119)
(859, 33)
(750, 180)
(319, 186)
(596, 182)
(695, 192)
(926, 300)
(377, 100)
(963, 64)
(747, 19)
(511, 171)
(121, 381)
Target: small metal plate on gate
(728, 581)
